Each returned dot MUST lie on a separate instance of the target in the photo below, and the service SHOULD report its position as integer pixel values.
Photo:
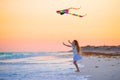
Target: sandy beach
(59, 66)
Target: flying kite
(66, 11)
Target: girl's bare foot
(77, 71)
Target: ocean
(38, 66)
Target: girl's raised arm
(70, 42)
(67, 45)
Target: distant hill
(106, 49)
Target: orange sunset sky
(34, 25)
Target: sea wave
(16, 55)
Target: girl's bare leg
(75, 63)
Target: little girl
(76, 52)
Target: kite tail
(77, 15)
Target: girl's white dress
(76, 55)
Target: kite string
(74, 8)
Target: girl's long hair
(77, 46)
